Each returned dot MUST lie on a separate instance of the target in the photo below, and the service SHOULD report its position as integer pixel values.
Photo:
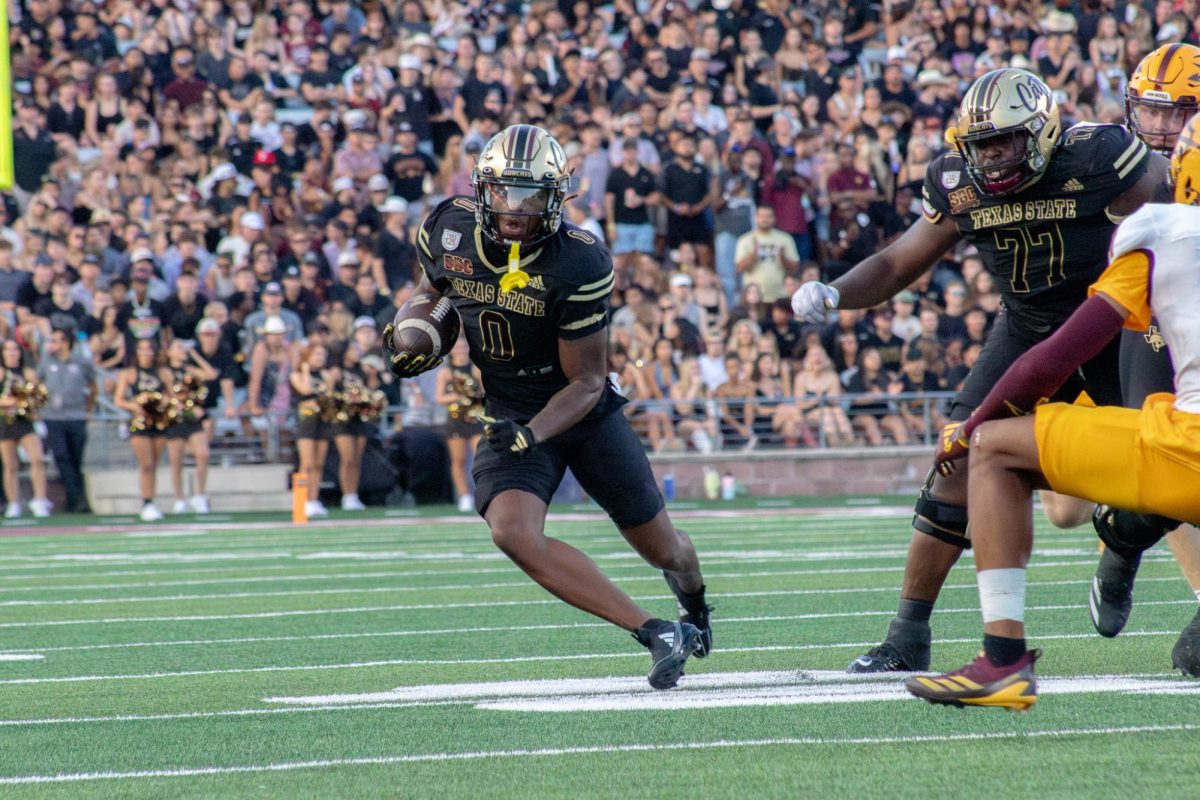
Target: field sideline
(405, 657)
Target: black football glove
(506, 436)
(406, 365)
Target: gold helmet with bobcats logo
(1163, 94)
(521, 182)
(1185, 164)
(1007, 128)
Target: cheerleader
(460, 390)
(349, 429)
(190, 374)
(144, 390)
(311, 387)
(20, 397)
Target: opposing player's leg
(611, 466)
(1185, 544)
(1064, 511)
(1004, 467)
(1145, 368)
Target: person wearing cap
(270, 361)
(395, 256)
(630, 127)
(297, 298)
(786, 192)
(250, 228)
(377, 191)
(224, 397)
(412, 102)
(271, 308)
(1061, 62)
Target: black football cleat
(1111, 597)
(1186, 653)
(694, 611)
(906, 649)
(670, 645)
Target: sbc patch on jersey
(457, 264)
(962, 199)
(951, 178)
(450, 239)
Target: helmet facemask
(1157, 122)
(1005, 161)
(524, 213)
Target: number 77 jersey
(514, 336)
(1047, 243)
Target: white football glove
(813, 300)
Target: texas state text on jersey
(514, 336)
(1047, 243)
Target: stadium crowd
(231, 190)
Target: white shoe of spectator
(751, 444)
(702, 441)
(180, 507)
(12, 511)
(466, 504)
(40, 507)
(199, 504)
(314, 508)
(150, 513)
(350, 502)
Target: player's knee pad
(1129, 532)
(940, 519)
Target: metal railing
(270, 439)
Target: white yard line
(442, 757)
(520, 584)
(22, 656)
(512, 659)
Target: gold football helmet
(1007, 128)
(1163, 94)
(1185, 164)
(521, 182)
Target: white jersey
(1166, 283)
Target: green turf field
(380, 659)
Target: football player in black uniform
(1040, 204)
(1162, 95)
(533, 293)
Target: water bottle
(728, 487)
(712, 483)
(669, 486)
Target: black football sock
(691, 601)
(914, 610)
(645, 633)
(1002, 651)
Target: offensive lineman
(533, 293)
(1146, 460)
(1040, 205)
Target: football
(426, 326)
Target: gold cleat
(980, 683)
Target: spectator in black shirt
(629, 192)
(59, 311)
(470, 102)
(884, 339)
(140, 316)
(893, 88)
(319, 82)
(37, 150)
(395, 257)
(184, 309)
(686, 191)
(241, 147)
(412, 102)
(788, 333)
(367, 301)
(408, 166)
(343, 291)
(66, 115)
(32, 293)
(297, 298)
(216, 352)
(660, 78)
(289, 158)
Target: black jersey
(1045, 244)
(514, 337)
